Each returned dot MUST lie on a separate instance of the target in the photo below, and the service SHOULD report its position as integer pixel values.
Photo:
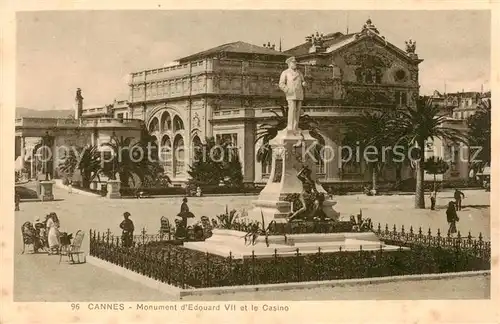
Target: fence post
(231, 273)
(183, 270)
(90, 242)
(318, 270)
(169, 275)
(297, 256)
(481, 245)
(439, 237)
(108, 232)
(275, 265)
(253, 267)
(361, 258)
(379, 229)
(207, 280)
(98, 245)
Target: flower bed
(186, 268)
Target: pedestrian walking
(70, 187)
(452, 218)
(127, 227)
(458, 195)
(432, 196)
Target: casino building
(229, 90)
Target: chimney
(78, 104)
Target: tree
(132, 159)
(215, 163)
(435, 165)
(206, 168)
(279, 120)
(88, 163)
(371, 131)
(231, 168)
(479, 134)
(417, 125)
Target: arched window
(166, 121)
(178, 155)
(178, 124)
(166, 153)
(196, 145)
(154, 125)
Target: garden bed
(186, 268)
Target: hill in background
(56, 113)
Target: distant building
(458, 106)
(88, 126)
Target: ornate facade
(228, 91)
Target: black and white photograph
(212, 156)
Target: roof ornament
(269, 46)
(369, 28)
(317, 40)
(411, 46)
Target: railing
(69, 122)
(154, 257)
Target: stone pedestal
(228, 242)
(113, 187)
(46, 192)
(291, 150)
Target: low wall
(179, 292)
(59, 184)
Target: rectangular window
(120, 115)
(266, 168)
(401, 98)
(231, 138)
(320, 167)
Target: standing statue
(292, 83)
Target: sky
(59, 51)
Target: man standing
(127, 227)
(292, 83)
(432, 195)
(458, 195)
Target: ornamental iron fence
(159, 257)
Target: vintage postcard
(225, 163)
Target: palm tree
(132, 160)
(479, 134)
(417, 125)
(279, 121)
(371, 131)
(89, 164)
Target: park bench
(74, 248)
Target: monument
(46, 186)
(293, 173)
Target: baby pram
(34, 235)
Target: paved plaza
(41, 278)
